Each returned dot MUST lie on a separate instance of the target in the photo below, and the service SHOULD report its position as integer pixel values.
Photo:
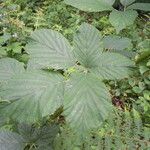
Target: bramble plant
(59, 74)
(120, 19)
(56, 95)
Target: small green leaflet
(49, 49)
(91, 5)
(87, 102)
(122, 19)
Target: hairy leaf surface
(49, 49)
(88, 52)
(116, 42)
(33, 95)
(9, 67)
(11, 141)
(87, 45)
(87, 102)
(112, 66)
(41, 137)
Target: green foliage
(143, 87)
(118, 44)
(87, 102)
(119, 19)
(122, 19)
(34, 98)
(127, 2)
(36, 94)
(8, 68)
(122, 130)
(49, 49)
(140, 6)
(92, 6)
(29, 137)
(113, 42)
(30, 96)
(8, 139)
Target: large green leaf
(126, 2)
(87, 102)
(122, 19)
(33, 95)
(11, 141)
(91, 5)
(87, 45)
(88, 52)
(140, 6)
(112, 66)
(49, 49)
(9, 67)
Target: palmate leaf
(11, 141)
(91, 5)
(49, 49)
(33, 95)
(122, 19)
(87, 102)
(9, 67)
(105, 64)
(140, 6)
